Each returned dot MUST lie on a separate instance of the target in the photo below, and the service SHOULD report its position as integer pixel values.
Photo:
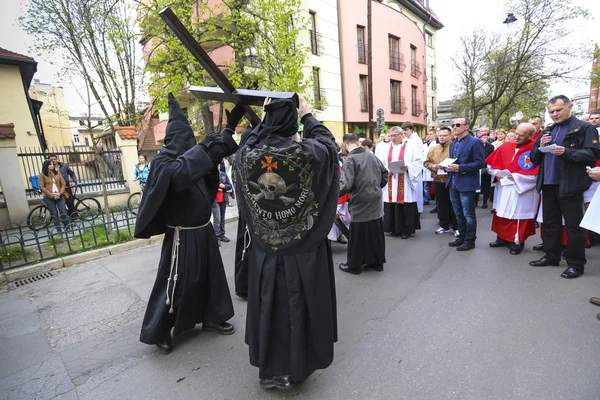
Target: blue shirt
(454, 154)
(552, 163)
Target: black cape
(291, 321)
(180, 189)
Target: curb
(28, 271)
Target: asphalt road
(435, 324)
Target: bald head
(524, 132)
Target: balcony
(397, 61)
(362, 53)
(399, 105)
(319, 97)
(363, 102)
(416, 108)
(415, 68)
(316, 42)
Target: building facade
(594, 97)
(403, 57)
(580, 104)
(16, 106)
(53, 113)
(323, 64)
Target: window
(317, 84)
(76, 138)
(429, 39)
(363, 93)
(360, 40)
(314, 44)
(432, 76)
(395, 92)
(394, 51)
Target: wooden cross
(226, 91)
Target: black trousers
(486, 186)
(70, 201)
(571, 209)
(445, 212)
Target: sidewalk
(436, 324)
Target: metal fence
(150, 154)
(20, 245)
(81, 159)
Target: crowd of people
(297, 193)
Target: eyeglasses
(457, 125)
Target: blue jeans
(463, 204)
(56, 207)
(426, 195)
(218, 212)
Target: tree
(96, 41)
(498, 72)
(262, 35)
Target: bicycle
(86, 209)
(133, 202)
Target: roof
(12, 54)
(26, 64)
(7, 131)
(422, 11)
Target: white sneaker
(456, 233)
(441, 231)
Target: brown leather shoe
(595, 300)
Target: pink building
(399, 63)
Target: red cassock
(516, 159)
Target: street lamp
(510, 18)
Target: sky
(458, 16)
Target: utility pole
(370, 67)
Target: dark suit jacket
(471, 158)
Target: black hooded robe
(291, 320)
(180, 190)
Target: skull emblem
(271, 185)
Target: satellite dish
(519, 115)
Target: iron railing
(416, 108)
(82, 160)
(415, 68)
(362, 53)
(397, 61)
(316, 42)
(363, 102)
(434, 83)
(398, 105)
(20, 245)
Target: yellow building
(16, 106)
(53, 114)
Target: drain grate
(32, 279)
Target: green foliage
(261, 34)
(14, 253)
(502, 74)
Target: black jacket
(581, 150)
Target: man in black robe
(287, 193)
(191, 286)
(363, 176)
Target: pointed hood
(179, 136)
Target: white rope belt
(173, 273)
(247, 241)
